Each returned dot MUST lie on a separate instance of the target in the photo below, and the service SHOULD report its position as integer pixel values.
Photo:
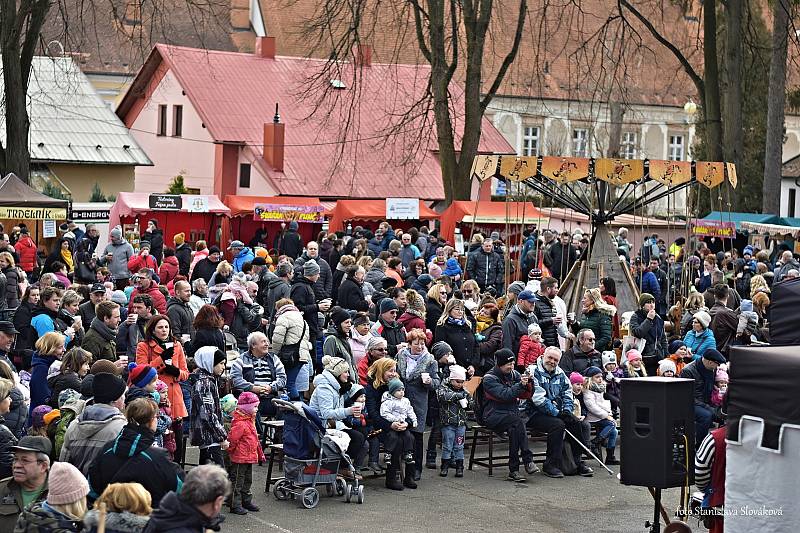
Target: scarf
(410, 367)
(483, 323)
(597, 387)
(67, 257)
(456, 321)
(285, 309)
(106, 332)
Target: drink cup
(186, 337)
(426, 377)
(463, 402)
(571, 316)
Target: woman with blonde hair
(597, 316)
(694, 302)
(49, 349)
(758, 284)
(128, 508)
(65, 506)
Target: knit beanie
(104, 365)
(721, 376)
(395, 385)
(376, 342)
(228, 403)
(644, 298)
(746, 306)
(339, 315)
(434, 270)
(141, 375)
(504, 356)
(179, 238)
(65, 484)
(37, 416)
(335, 365)
(667, 365)
(440, 349)
(592, 371)
(458, 372)
(52, 415)
(219, 357)
(87, 386)
(107, 388)
(676, 345)
(361, 318)
(703, 317)
(609, 357)
(248, 402)
(516, 288)
(310, 268)
(66, 396)
(161, 386)
(633, 355)
(388, 304)
(119, 298)
(575, 378)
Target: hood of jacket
(244, 252)
(204, 357)
(41, 310)
(172, 260)
(133, 440)
(540, 366)
(174, 513)
(276, 282)
(174, 300)
(124, 522)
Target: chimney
(274, 134)
(265, 47)
(362, 55)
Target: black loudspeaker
(657, 440)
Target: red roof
(236, 93)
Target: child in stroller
(313, 457)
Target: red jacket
(529, 351)
(168, 270)
(411, 321)
(244, 446)
(159, 302)
(26, 249)
(138, 262)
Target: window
(580, 142)
(244, 175)
(792, 200)
(676, 148)
(627, 148)
(530, 140)
(177, 120)
(162, 120)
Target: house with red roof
(254, 124)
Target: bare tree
(775, 107)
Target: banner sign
(670, 172)
(287, 213)
(166, 202)
(565, 169)
(90, 214)
(34, 213)
(713, 228)
(619, 171)
(197, 204)
(402, 209)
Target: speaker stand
(658, 509)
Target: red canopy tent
(283, 209)
(197, 225)
(371, 211)
(489, 216)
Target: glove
(479, 337)
(566, 416)
(172, 370)
(168, 353)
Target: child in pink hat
(244, 451)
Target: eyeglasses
(467, 291)
(380, 350)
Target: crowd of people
(113, 359)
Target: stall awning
(368, 210)
(137, 203)
(244, 206)
(19, 201)
(739, 218)
(776, 230)
(483, 212)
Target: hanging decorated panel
(565, 169)
(730, 168)
(710, 174)
(484, 166)
(517, 168)
(619, 171)
(670, 172)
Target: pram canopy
(303, 430)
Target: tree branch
(512, 54)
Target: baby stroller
(311, 459)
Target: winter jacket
(159, 302)
(574, 360)
(515, 325)
(184, 255)
(450, 411)
(121, 252)
(7, 440)
(245, 369)
(552, 392)
(87, 312)
(560, 259)
(394, 334)
(545, 311)
(433, 312)
(69, 412)
(246, 320)
(302, 294)
(351, 296)
(648, 282)
(205, 337)
(11, 504)
(397, 410)
(245, 255)
(42, 518)
(338, 345)
(652, 331)
(26, 249)
(139, 261)
(278, 289)
(698, 343)
(724, 324)
(204, 268)
(597, 407)
(17, 416)
(12, 287)
(61, 382)
(22, 322)
(40, 390)
(409, 253)
(289, 326)
(96, 344)
(601, 325)
(461, 338)
(87, 436)
(374, 277)
(132, 458)
(176, 516)
(416, 391)
(291, 244)
(149, 353)
(502, 393)
(156, 238)
(323, 287)
(244, 445)
(529, 351)
(124, 522)
(411, 320)
(358, 345)
(44, 320)
(169, 269)
(703, 383)
(492, 341)
(486, 269)
(326, 400)
(206, 418)
(129, 336)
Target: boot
(430, 459)
(409, 478)
(610, 457)
(595, 447)
(393, 477)
(445, 466)
(460, 468)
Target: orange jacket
(149, 353)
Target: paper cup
(463, 402)
(186, 337)
(425, 377)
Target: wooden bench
(275, 454)
(272, 432)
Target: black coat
(291, 244)
(62, 382)
(394, 334)
(156, 239)
(323, 287)
(176, 516)
(461, 339)
(493, 341)
(433, 311)
(12, 287)
(132, 458)
(7, 440)
(16, 417)
(574, 360)
(545, 312)
(87, 312)
(204, 268)
(184, 255)
(181, 316)
(302, 295)
(205, 337)
(703, 382)
(351, 296)
(561, 259)
(22, 322)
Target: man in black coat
(183, 252)
(198, 507)
(582, 355)
(562, 256)
(486, 267)
(389, 328)
(516, 322)
(546, 312)
(290, 243)
(323, 287)
(661, 277)
(97, 294)
(302, 295)
(205, 268)
(179, 312)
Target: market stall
(250, 213)
(508, 218)
(401, 213)
(42, 214)
(199, 217)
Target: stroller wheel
(340, 486)
(310, 498)
(348, 492)
(360, 498)
(280, 491)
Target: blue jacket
(502, 393)
(40, 390)
(326, 400)
(552, 393)
(649, 283)
(245, 255)
(700, 342)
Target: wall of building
(259, 184)
(788, 184)
(191, 154)
(80, 179)
(110, 87)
